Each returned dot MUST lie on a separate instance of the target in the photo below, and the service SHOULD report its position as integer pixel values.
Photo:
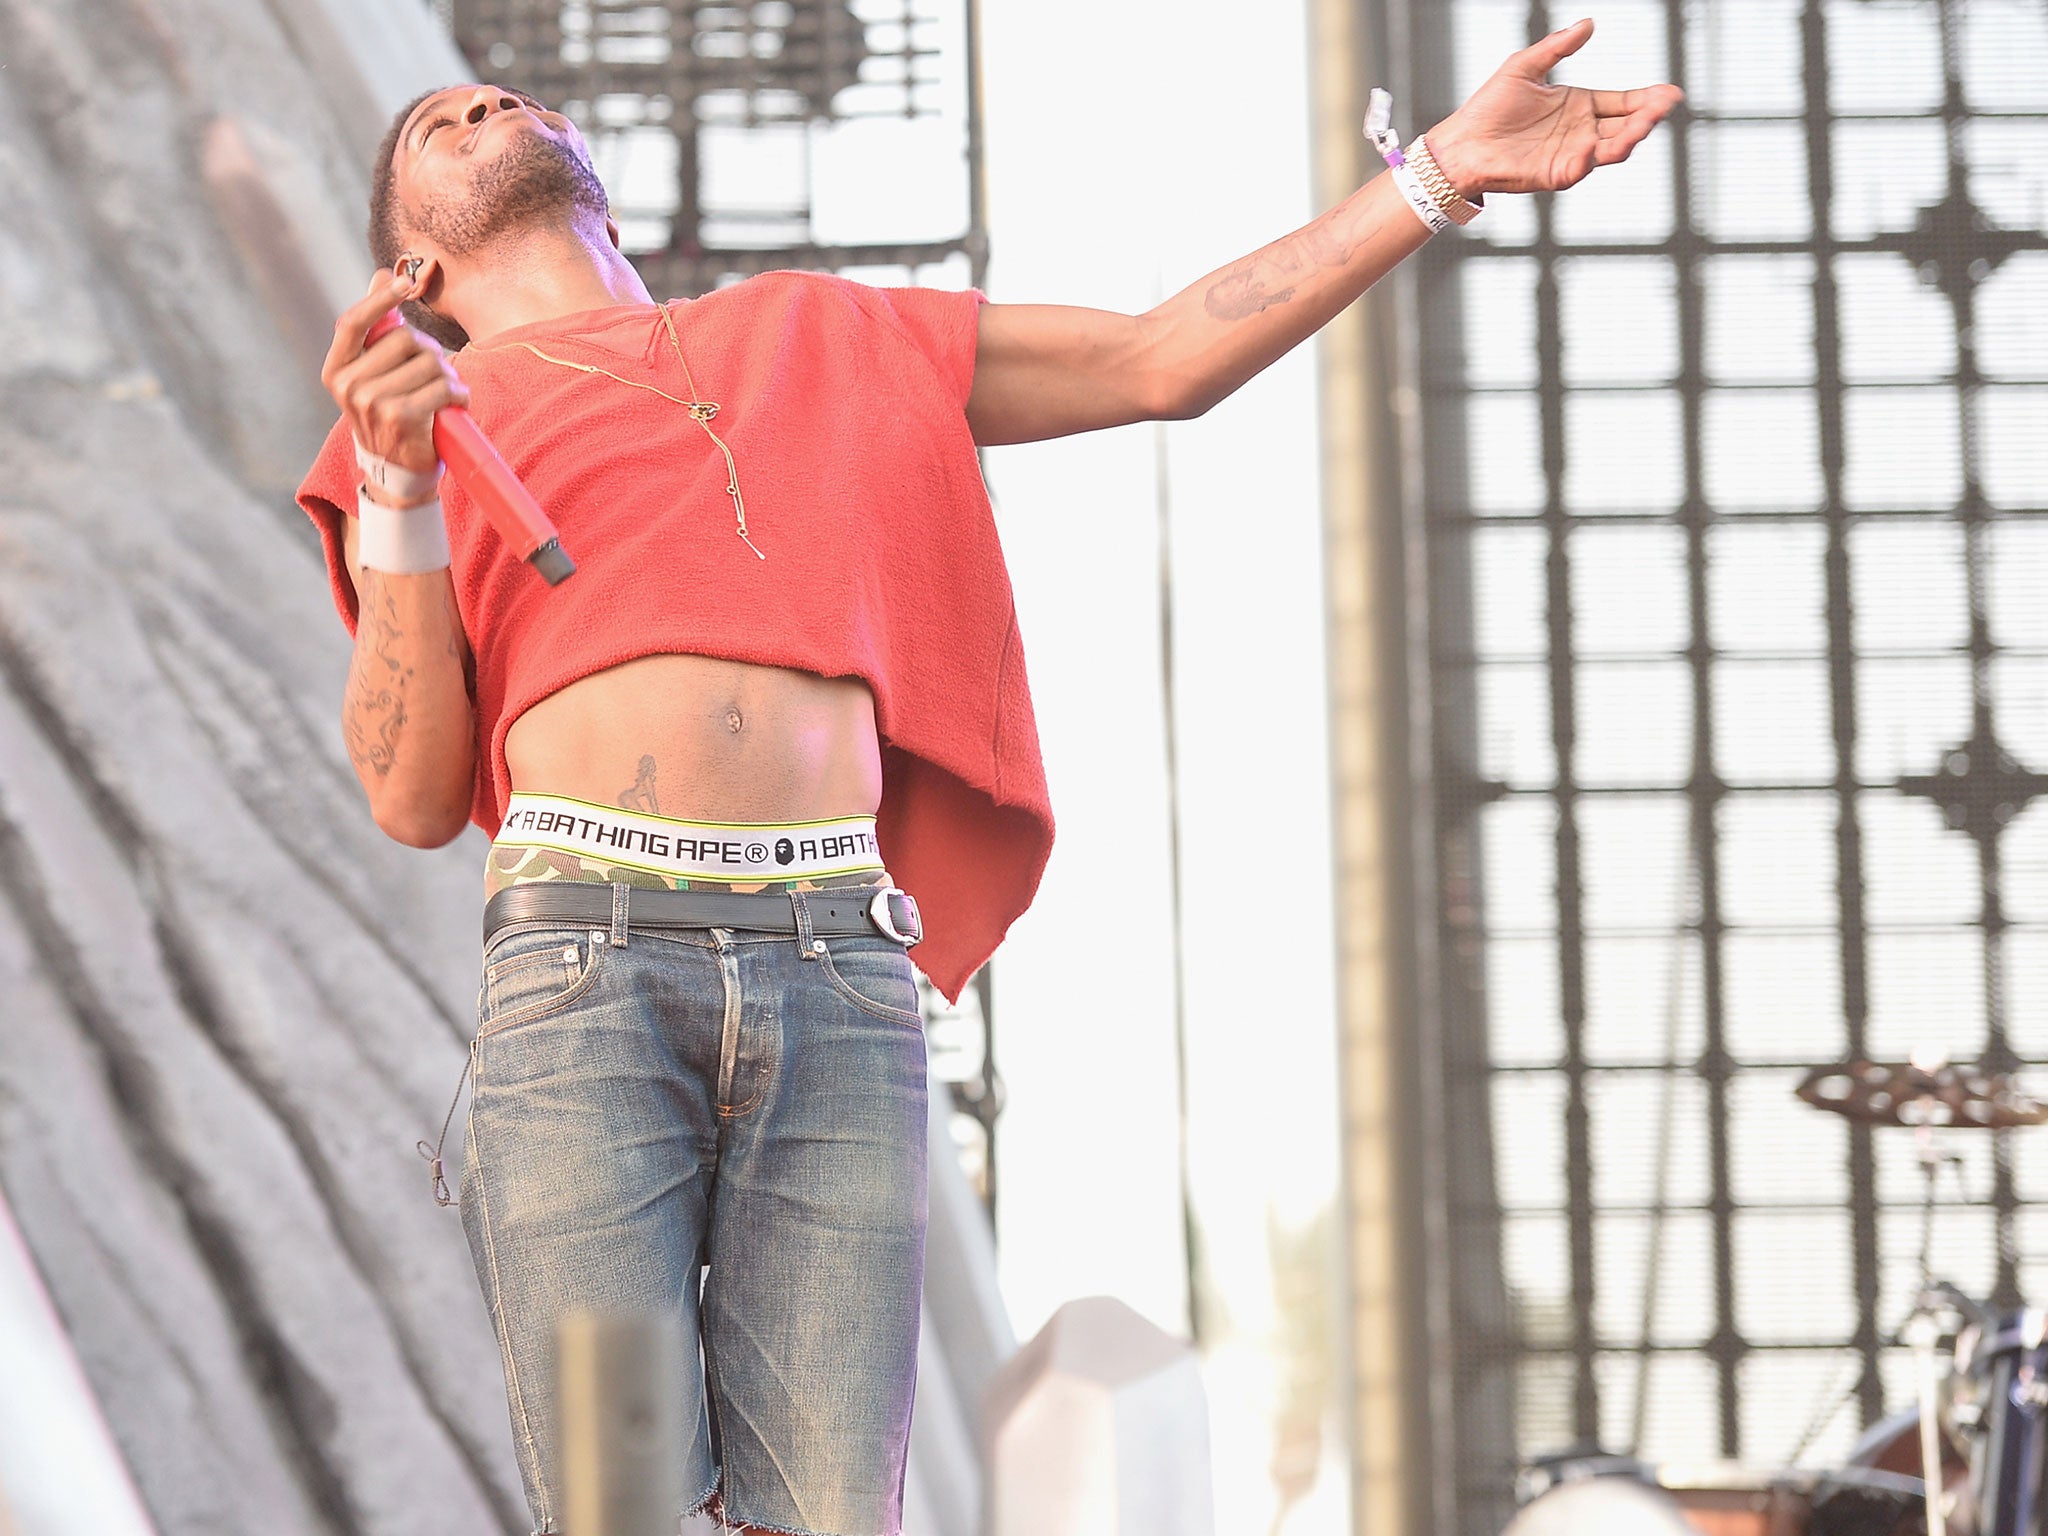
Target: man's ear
(430, 283)
(425, 271)
(611, 228)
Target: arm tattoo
(1270, 276)
(458, 650)
(373, 713)
(641, 797)
(1257, 283)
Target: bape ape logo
(785, 850)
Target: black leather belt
(834, 912)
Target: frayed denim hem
(711, 1504)
(700, 1505)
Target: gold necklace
(702, 411)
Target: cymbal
(1901, 1093)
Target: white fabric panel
(60, 1471)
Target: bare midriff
(702, 739)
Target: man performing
(774, 732)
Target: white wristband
(1433, 217)
(400, 541)
(396, 479)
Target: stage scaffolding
(743, 136)
(1732, 506)
(709, 120)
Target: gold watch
(1456, 207)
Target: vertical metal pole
(991, 1098)
(1842, 707)
(988, 1102)
(1378, 839)
(977, 173)
(1716, 1064)
(1959, 286)
(1923, 1333)
(1468, 1311)
(1190, 1226)
(619, 1386)
(1558, 524)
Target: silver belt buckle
(880, 915)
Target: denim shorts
(731, 1127)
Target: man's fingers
(380, 357)
(353, 323)
(1636, 125)
(1617, 103)
(1659, 99)
(1545, 54)
(374, 389)
(390, 400)
(398, 344)
(369, 364)
(395, 415)
(416, 372)
(1620, 135)
(384, 294)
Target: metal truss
(704, 116)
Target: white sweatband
(396, 479)
(1433, 217)
(400, 541)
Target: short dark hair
(387, 241)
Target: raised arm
(1048, 371)
(406, 712)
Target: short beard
(536, 180)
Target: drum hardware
(1613, 1503)
(1860, 1501)
(1596, 1495)
(1719, 1499)
(2003, 1371)
(1541, 1474)
(1922, 1334)
(1593, 1494)
(1928, 1092)
(1998, 1374)
(1936, 1315)
(1981, 1456)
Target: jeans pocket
(532, 973)
(875, 976)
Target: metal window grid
(1736, 518)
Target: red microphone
(490, 483)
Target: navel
(734, 722)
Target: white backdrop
(1133, 146)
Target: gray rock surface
(228, 1007)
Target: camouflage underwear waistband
(506, 867)
(548, 837)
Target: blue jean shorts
(730, 1127)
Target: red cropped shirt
(844, 406)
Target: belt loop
(808, 946)
(620, 899)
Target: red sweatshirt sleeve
(328, 494)
(944, 325)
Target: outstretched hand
(1520, 134)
